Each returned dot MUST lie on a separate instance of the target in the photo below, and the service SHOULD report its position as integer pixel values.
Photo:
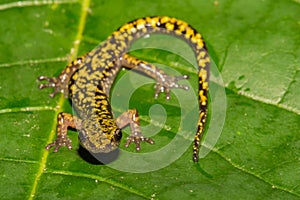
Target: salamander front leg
(131, 118)
(164, 82)
(64, 120)
(60, 83)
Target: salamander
(87, 82)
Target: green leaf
(255, 45)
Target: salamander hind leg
(64, 120)
(60, 83)
(131, 118)
(164, 82)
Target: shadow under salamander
(98, 158)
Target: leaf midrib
(85, 4)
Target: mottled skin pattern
(87, 81)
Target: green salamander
(87, 81)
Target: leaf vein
(21, 4)
(33, 62)
(268, 101)
(237, 166)
(18, 160)
(26, 109)
(288, 87)
(99, 178)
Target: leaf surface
(255, 45)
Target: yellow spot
(72, 87)
(140, 24)
(197, 39)
(201, 115)
(75, 76)
(202, 54)
(202, 62)
(153, 21)
(173, 20)
(200, 44)
(122, 44)
(198, 36)
(203, 74)
(178, 32)
(207, 59)
(170, 26)
(130, 38)
(126, 27)
(179, 22)
(133, 30)
(182, 28)
(189, 33)
(203, 98)
(205, 85)
(164, 19)
(200, 124)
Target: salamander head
(99, 139)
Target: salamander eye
(117, 135)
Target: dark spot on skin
(118, 135)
